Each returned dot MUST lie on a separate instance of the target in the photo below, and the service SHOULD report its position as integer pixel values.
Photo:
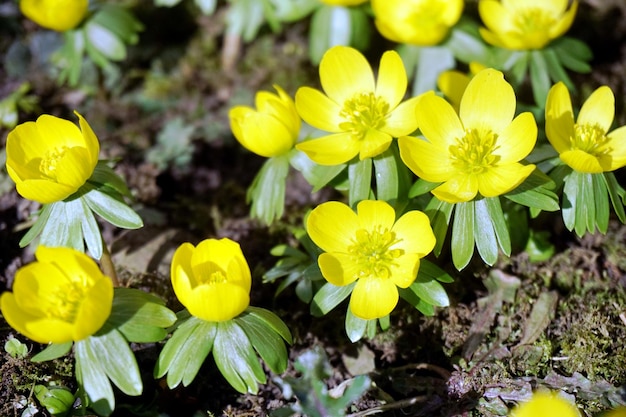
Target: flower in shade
(61, 297)
(545, 404)
(361, 113)
(585, 144)
(270, 130)
(477, 151)
(372, 248)
(59, 15)
(343, 2)
(416, 22)
(617, 412)
(453, 83)
(212, 280)
(525, 24)
(50, 159)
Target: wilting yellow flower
(61, 297)
(525, 24)
(59, 15)
(416, 22)
(362, 114)
(343, 2)
(372, 247)
(476, 151)
(454, 82)
(212, 279)
(50, 159)
(585, 144)
(270, 130)
(545, 404)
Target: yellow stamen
(531, 21)
(371, 251)
(48, 164)
(590, 139)
(473, 153)
(362, 112)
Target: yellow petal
(374, 214)
(331, 150)
(318, 110)
(181, 274)
(338, 268)
(94, 310)
(488, 103)
(581, 161)
(218, 302)
(373, 298)
(502, 179)
(617, 157)
(565, 22)
(517, 140)
(42, 191)
(402, 120)
(74, 168)
(404, 269)
(262, 133)
(332, 226)
(392, 80)
(426, 160)
(438, 121)
(452, 84)
(415, 234)
(344, 71)
(222, 253)
(49, 330)
(458, 189)
(559, 117)
(598, 109)
(59, 15)
(91, 140)
(374, 143)
(545, 404)
(495, 16)
(18, 317)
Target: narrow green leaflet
(328, 297)
(484, 233)
(429, 270)
(601, 200)
(104, 176)
(555, 68)
(185, 351)
(57, 400)
(391, 176)
(52, 351)
(463, 234)
(439, 212)
(617, 193)
(536, 192)
(112, 210)
(500, 227)
(265, 340)
(413, 299)
(329, 26)
(360, 179)
(421, 187)
(573, 54)
(235, 358)
(93, 379)
(539, 77)
(267, 191)
(355, 326)
(90, 231)
(432, 61)
(272, 320)
(117, 361)
(38, 226)
(317, 175)
(431, 291)
(63, 227)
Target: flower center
(364, 111)
(427, 14)
(210, 273)
(65, 301)
(48, 164)
(372, 253)
(473, 153)
(533, 21)
(591, 139)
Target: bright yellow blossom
(59, 15)
(585, 144)
(525, 24)
(362, 114)
(476, 151)
(50, 159)
(212, 279)
(343, 2)
(416, 22)
(270, 130)
(453, 83)
(61, 297)
(372, 248)
(545, 404)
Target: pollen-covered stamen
(373, 254)
(530, 21)
(473, 153)
(362, 112)
(65, 302)
(590, 138)
(48, 164)
(210, 273)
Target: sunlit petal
(438, 121)
(458, 189)
(373, 298)
(559, 117)
(344, 71)
(374, 143)
(331, 150)
(318, 110)
(402, 120)
(332, 226)
(502, 179)
(374, 214)
(518, 139)
(426, 160)
(582, 161)
(488, 103)
(598, 109)
(414, 233)
(392, 81)
(338, 268)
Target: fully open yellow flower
(545, 404)
(416, 22)
(585, 144)
(59, 15)
(372, 247)
(50, 159)
(362, 114)
(212, 279)
(61, 297)
(270, 130)
(476, 151)
(525, 24)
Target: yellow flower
(476, 151)
(416, 22)
(61, 297)
(59, 15)
(453, 83)
(525, 24)
(212, 279)
(372, 248)
(50, 159)
(545, 404)
(270, 130)
(362, 114)
(343, 2)
(585, 144)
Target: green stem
(106, 263)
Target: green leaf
(104, 176)
(271, 320)
(360, 179)
(355, 326)
(93, 379)
(328, 297)
(601, 199)
(573, 54)
(539, 77)
(555, 68)
(616, 192)
(387, 177)
(64, 226)
(244, 18)
(536, 191)
(330, 25)
(518, 66)
(439, 212)
(317, 175)
(421, 187)
(117, 361)
(484, 233)
(235, 358)
(432, 61)
(431, 291)
(38, 226)
(139, 316)
(463, 234)
(57, 400)
(429, 270)
(267, 191)
(90, 231)
(185, 351)
(413, 299)
(103, 42)
(114, 211)
(207, 7)
(265, 340)
(360, 28)
(499, 224)
(467, 47)
(52, 351)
